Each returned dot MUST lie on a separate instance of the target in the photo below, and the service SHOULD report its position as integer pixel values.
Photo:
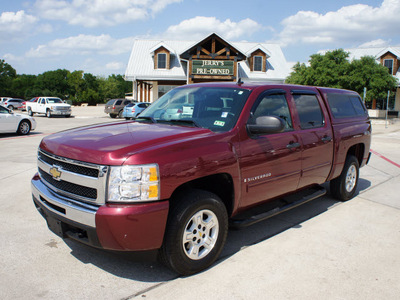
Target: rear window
(345, 106)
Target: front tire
(196, 232)
(48, 113)
(24, 128)
(344, 187)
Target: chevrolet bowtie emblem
(55, 172)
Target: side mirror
(266, 125)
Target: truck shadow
(139, 268)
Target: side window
(343, 105)
(358, 106)
(118, 102)
(309, 111)
(274, 105)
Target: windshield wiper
(183, 121)
(146, 118)
(189, 122)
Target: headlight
(134, 183)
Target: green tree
(113, 87)
(327, 70)
(7, 75)
(21, 86)
(365, 72)
(90, 96)
(333, 69)
(53, 83)
(91, 82)
(76, 85)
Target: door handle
(326, 138)
(292, 145)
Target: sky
(96, 36)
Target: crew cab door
(270, 163)
(41, 105)
(315, 130)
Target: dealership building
(157, 66)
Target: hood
(60, 104)
(113, 143)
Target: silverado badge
(55, 172)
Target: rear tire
(113, 116)
(344, 187)
(30, 112)
(196, 232)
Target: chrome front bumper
(75, 211)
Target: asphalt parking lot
(323, 249)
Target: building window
(163, 89)
(161, 61)
(388, 63)
(258, 61)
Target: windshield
(55, 100)
(214, 108)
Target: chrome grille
(68, 166)
(74, 189)
(78, 180)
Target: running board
(276, 207)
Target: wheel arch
(219, 184)
(358, 151)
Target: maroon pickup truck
(200, 159)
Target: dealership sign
(212, 67)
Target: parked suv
(114, 107)
(13, 103)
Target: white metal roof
(141, 63)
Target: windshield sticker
(224, 114)
(219, 123)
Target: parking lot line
(385, 158)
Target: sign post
(387, 109)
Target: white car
(19, 123)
